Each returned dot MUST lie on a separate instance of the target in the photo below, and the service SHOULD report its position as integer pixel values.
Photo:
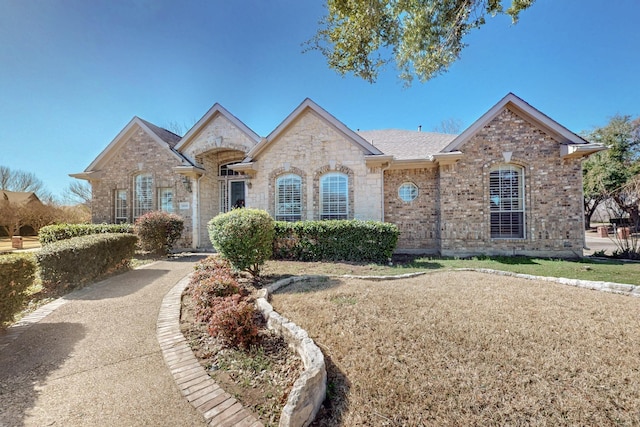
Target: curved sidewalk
(95, 359)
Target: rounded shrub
(244, 237)
(158, 231)
(233, 321)
(212, 280)
(17, 273)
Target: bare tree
(78, 192)
(450, 125)
(18, 180)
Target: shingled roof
(407, 144)
(167, 136)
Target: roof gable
(308, 104)
(19, 197)
(156, 133)
(217, 109)
(522, 108)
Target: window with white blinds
(143, 197)
(506, 190)
(334, 196)
(289, 198)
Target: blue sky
(74, 72)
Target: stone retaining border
(310, 388)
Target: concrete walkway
(93, 358)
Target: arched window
(506, 194)
(289, 198)
(334, 196)
(143, 195)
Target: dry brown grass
(29, 242)
(453, 349)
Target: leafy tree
(605, 174)
(422, 37)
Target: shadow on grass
(336, 403)
(312, 284)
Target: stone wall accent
(139, 154)
(553, 197)
(419, 219)
(310, 143)
(210, 186)
(218, 135)
(310, 388)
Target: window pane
(408, 192)
(143, 195)
(506, 202)
(334, 196)
(289, 198)
(121, 206)
(165, 199)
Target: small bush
(345, 240)
(68, 263)
(54, 233)
(244, 237)
(16, 275)
(158, 231)
(233, 321)
(212, 279)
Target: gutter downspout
(196, 214)
(382, 170)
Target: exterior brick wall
(417, 220)
(553, 214)
(139, 154)
(313, 147)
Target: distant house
(509, 184)
(10, 202)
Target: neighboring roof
(167, 136)
(162, 137)
(217, 109)
(19, 197)
(308, 104)
(519, 106)
(407, 144)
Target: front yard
(464, 348)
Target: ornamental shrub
(343, 240)
(233, 320)
(212, 279)
(16, 275)
(244, 237)
(158, 231)
(53, 233)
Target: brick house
(509, 184)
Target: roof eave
(569, 151)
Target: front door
(236, 194)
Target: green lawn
(586, 269)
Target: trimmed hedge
(16, 275)
(342, 240)
(54, 233)
(68, 263)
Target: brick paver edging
(218, 407)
